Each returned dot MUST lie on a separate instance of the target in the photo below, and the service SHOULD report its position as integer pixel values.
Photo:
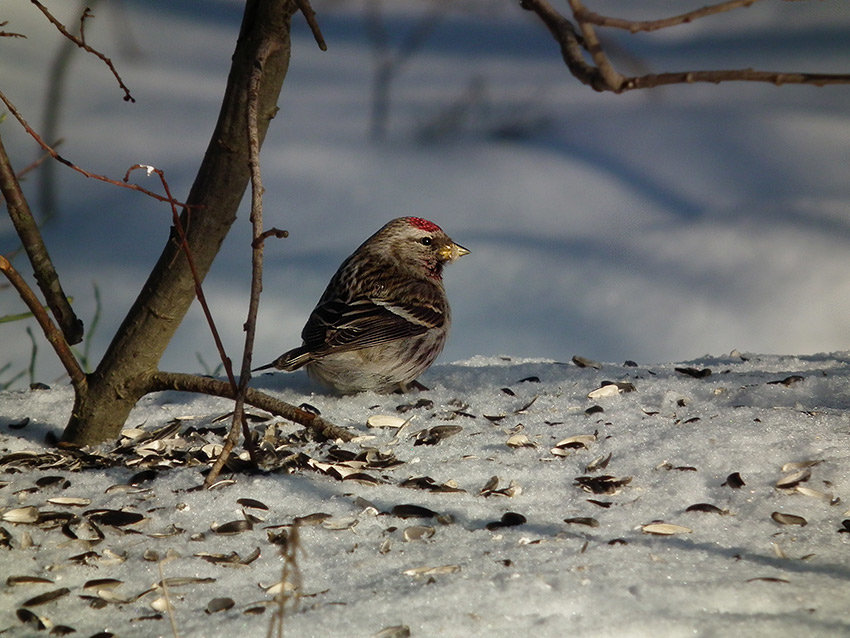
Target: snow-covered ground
(751, 559)
(657, 225)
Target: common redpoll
(384, 316)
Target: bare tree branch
(80, 42)
(602, 76)
(161, 381)
(634, 26)
(45, 273)
(310, 17)
(52, 152)
(256, 265)
(9, 34)
(54, 336)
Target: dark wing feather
(339, 325)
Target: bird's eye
(425, 241)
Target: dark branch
(602, 76)
(45, 273)
(310, 16)
(60, 346)
(319, 427)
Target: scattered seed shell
(21, 515)
(788, 519)
(219, 604)
(695, 372)
(791, 480)
(664, 529)
(396, 631)
(11, 581)
(432, 436)
(46, 597)
(102, 583)
(231, 527)
(800, 465)
(408, 510)
(584, 362)
(385, 421)
(432, 571)
(418, 532)
(610, 390)
(69, 500)
(28, 617)
(589, 521)
(343, 522)
(734, 481)
(706, 507)
(519, 440)
(823, 496)
(311, 519)
(509, 519)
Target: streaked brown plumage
(384, 316)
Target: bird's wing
(341, 325)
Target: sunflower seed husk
(800, 465)
(11, 581)
(231, 527)
(385, 421)
(219, 604)
(706, 507)
(610, 390)
(69, 500)
(519, 440)
(418, 532)
(46, 597)
(734, 481)
(432, 571)
(584, 362)
(589, 521)
(791, 480)
(664, 529)
(788, 519)
(27, 514)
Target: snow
(650, 226)
(676, 437)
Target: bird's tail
(289, 361)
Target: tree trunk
(123, 376)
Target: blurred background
(655, 225)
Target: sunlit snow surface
(676, 437)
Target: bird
(384, 316)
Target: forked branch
(80, 42)
(578, 40)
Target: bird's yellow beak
(452, 252)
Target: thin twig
(51, 332)
(310, 16)
(271, 232)
(190, 260)
(36, 163)
(10, 34)
(594, 47)
(85, 16)
(81, 43)
(32, 241)
(634, 26)
(52, 152)
(320, 428)
(256, 217)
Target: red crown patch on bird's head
(423, 224)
